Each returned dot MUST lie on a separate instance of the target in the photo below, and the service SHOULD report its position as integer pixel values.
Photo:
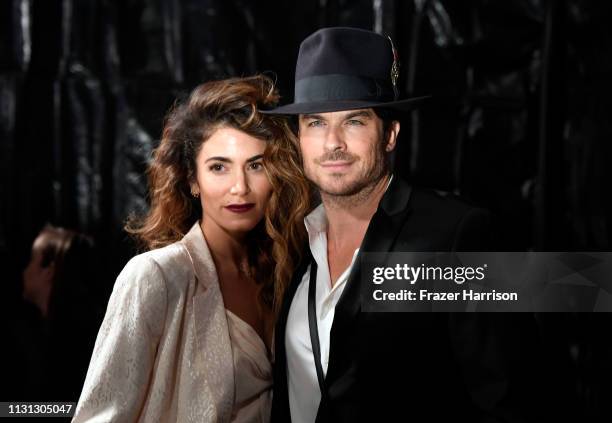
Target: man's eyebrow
(360, 113)
(314, 117)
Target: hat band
(338, 87)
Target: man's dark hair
(388, 116)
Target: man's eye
(315, 123)
(355, 122)
(217, 167)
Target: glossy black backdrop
(519, 123)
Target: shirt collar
(389, 183)
(316, 221)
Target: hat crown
(345, 51)
(346, 69)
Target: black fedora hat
(346, 69)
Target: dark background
(519, 123)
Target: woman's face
(233, 185)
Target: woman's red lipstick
(240, 208)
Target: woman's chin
(242, 227)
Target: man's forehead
(339, 114)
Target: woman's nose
(241, 184)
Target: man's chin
(340, 190)
(343, 187)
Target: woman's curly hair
(276, 243)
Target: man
(333, 362)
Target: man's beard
(363, 184)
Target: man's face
(345, 152)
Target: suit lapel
(385, 226)
(214, 351)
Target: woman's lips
(240, 208)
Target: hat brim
(336, 106)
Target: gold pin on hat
(394, 69)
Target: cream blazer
(163, 352)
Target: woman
(187, 335)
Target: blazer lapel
(214, 350)
(385, 226)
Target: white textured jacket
(163, 353)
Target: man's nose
(334, 140)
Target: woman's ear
(195, 189)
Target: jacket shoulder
(443, 221)
(444, 207)
(157, 278)
(440, 200)
(170, 263)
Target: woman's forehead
(230, 142)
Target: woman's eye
(256, 165)
(217, 167)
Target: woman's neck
(224, 246)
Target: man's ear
(392, 133)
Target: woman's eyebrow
(227, 160)
(218, 159)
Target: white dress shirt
(304, 392)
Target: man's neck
(348, 217)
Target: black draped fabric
(519, 122)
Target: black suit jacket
(420, 366)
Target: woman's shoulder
(169, 265)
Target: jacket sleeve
(499, 353)
(118, 377)
(474, 232)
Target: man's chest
(338, 265)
